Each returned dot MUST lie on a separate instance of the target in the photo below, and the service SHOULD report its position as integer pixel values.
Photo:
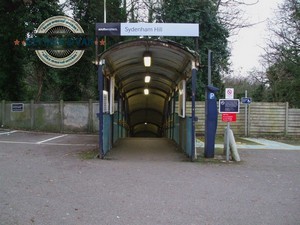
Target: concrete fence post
(61, 110)
(2, 113)
(286, 129)
(90, 116)
(32, 111)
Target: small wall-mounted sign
(246, 100)
(17, 107)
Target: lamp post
(104, 20)
(104, 11)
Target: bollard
(231, 145)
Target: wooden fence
(264, 118)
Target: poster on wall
(172, 103)
(181, 98)
(105, 102)
(112, 96)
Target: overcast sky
(247, 45)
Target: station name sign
(148, 29)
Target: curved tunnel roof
(171, 63)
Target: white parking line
(54, 144)
(9, 132)
(50, 139)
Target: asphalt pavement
(143, 181)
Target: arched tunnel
(147, 92)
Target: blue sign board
(17, 107)
(246, 100)
(229, 106)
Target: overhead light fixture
(147, 59)
(147, 79)
(146, 91)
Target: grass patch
(285, 139)
(291, 142)
(242, 141)
(219, 158)
(89, 154)
(238, 140)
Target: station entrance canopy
(171, 66)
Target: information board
(229, 106)
(17, 107)
(229, 117)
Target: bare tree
(282, 54)
(231, 14)
(284, 41)
(143, 10)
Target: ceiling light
(147, 59)
(147, 79)
(146, 91)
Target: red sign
(229, 117)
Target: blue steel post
(194, 81)
(173, 117)
(100, 89)
(118, 118)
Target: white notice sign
(229, 93)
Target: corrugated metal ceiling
(171, 62)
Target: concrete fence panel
(21, 119)
(76, 116)
(47, 117)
